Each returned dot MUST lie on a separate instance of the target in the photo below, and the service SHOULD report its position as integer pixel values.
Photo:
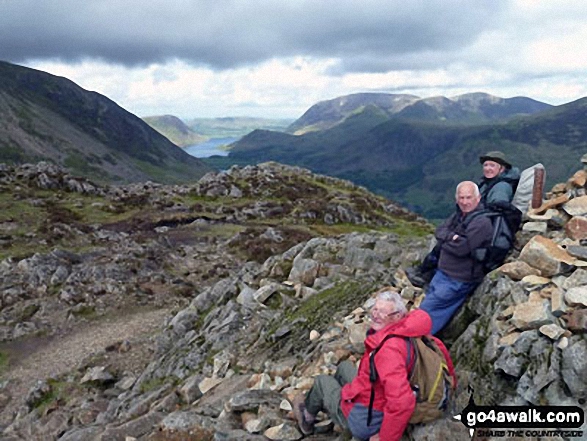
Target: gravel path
(41, 358)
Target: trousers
(444, 297)
(325, 393)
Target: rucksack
(505, 221)
(523, 192)
(429, 378)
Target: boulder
(576, 206)
(576, 296)
(576, 227)
(532, 314)
(546, 256)
(574, 368)
(518, 269)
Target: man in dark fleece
(497, 187)
(458, 273)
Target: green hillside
(49, 118)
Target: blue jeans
(444, 297)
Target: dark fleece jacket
(456, 259)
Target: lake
(210, 147)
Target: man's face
(491, 169)
(382, 314)
(466, 199)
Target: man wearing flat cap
(499, 178)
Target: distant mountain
(471, 108)
(50, 118)
(175, 130)
(235, 127)
(418, 162)
(326, 114)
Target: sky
(276, 58)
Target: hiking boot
(416, 277)
(304, 419)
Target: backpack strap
(475, 214)
(373, 375)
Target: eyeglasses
(376, 312)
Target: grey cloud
(370, 35)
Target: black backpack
(505, 219)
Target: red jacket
(393, 394)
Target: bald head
(467, 196)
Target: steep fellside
(44, 117)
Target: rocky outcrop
(158, 245)
(229, 362)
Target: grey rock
(185, 421)
(38, 392)
(577, 251)
(304, 270)
(98, 374)
(190, 391)
(252, 399)
(574, 368)
(136, 428)
(83, 434)
(576, 296)
(578, 278)
(510, 363)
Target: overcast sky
(276, 58)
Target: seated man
(346, 396)
(499, 180)
(497, 188)
(459, 272)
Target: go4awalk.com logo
(522, 421)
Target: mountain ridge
(419, 161)
(470, 108)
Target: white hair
(395, 298)
(470, 183)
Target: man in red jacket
(346, 396)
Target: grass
(81, 164)
(59, 391)
(406, 229)
(4, 361)
(29, 225)
(153, 383)
(317, 311)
